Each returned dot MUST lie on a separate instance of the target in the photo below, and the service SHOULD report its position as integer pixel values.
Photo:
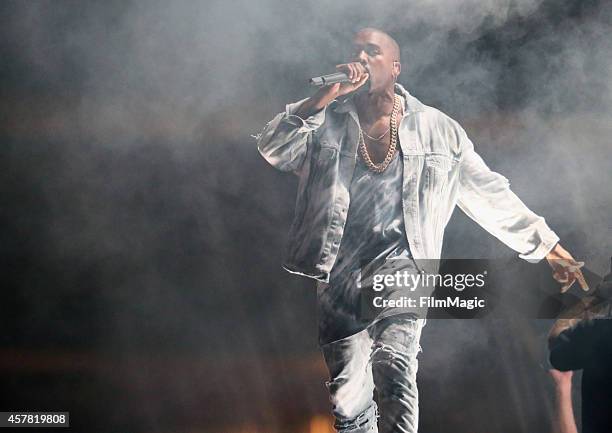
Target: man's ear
(397, 68)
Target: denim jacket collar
(411, 104)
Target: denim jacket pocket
(438, 161)
(326, 154)
(437, 167)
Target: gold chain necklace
(363, 150)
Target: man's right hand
(358, 75)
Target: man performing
(379, 176)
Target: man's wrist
(553, 253)
(563, 389)
(308, 109)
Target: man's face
(376, 53)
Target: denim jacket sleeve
(284, 140)
(485, 196)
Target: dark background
(141, 234)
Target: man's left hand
(566, 270)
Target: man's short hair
(390, 40)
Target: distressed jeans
(382, 357)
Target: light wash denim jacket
(441, 170)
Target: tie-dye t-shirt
(374, 232)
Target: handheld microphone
(324, 80)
